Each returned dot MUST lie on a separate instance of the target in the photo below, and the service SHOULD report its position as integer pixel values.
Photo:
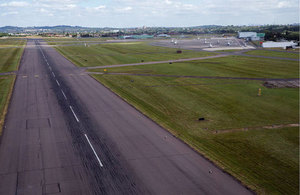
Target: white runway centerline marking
(53, 74)
(74, 114)
(57, 82)
(64, 94)
(101, 165)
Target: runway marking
(36, 76)
(57, 82)
(53, 74)
(64, 94)
(101, 165)
(24, 76)
(50, 68)
(74, 114)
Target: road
(66, 133)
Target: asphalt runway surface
(65, 133)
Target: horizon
(66, 25)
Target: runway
(68, 134)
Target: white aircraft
(228, 43)
(210, 45)
(175, 42)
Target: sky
(152, 13)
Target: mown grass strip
(281, 54)
(6, 89)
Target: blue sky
(136, 13)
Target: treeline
(4, 34)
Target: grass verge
(10, 57)
(6, 89)
(280, 54)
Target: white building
(245, 35)
(164, 35)
(284, 45)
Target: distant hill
(50, 29)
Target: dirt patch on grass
(282, 84)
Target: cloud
(121, 13)
(123, 9)
(14, 4)
(284, 4)
(9, 13)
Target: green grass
(266, 160)
(274, 54)
(67, 41)
(269, 158)
(6, 83)
(123, 53)
(12, 42)
(10, 58)
(232, 66)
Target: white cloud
(284, 4)
(14, 4)
(123, 9)
(9, 13)
(100, 7)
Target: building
(284, 45)
(253, 36)
(163, 36)
(144, 36)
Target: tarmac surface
(65, 133)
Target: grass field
(122, 53)
(264, 159)
(10, 42)
(232, 66)
(273, 54)
(6, 84)
(10, 57)
(67, 41)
